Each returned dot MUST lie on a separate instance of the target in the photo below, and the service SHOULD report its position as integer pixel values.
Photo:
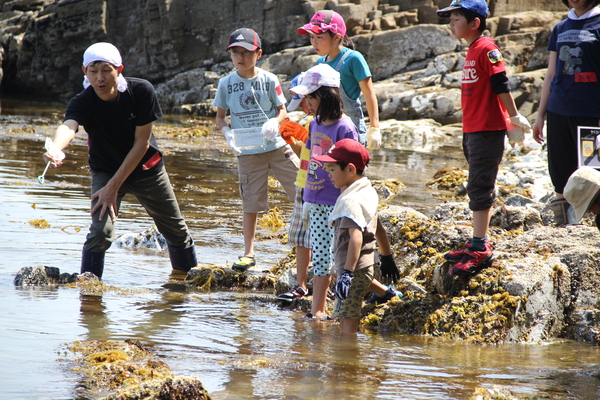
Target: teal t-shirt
(353, 70)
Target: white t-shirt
(251, 102)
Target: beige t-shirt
(341, 238)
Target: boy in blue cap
(488, 112)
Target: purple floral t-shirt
(319, 189)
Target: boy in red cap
(354, 220)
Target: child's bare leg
(319, 298)
(481, 222)
(249, 228)
(348, 326)
(302, 262)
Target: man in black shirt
(117, 114)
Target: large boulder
(541, 286)
(388, 53)
(157, 39)
(43, 40)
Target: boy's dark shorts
(483, 151)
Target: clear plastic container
(249, 138)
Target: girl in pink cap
(327, 31)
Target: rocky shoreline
(543, 285)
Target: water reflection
(240, 348)
(93, 317)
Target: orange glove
(290, 130)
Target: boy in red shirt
(488, 110)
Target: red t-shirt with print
(481, 107)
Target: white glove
(230, 138)
(270, 129)
(373, 138)
(521, 122)
(516, 136)
(516, 132)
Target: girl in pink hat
(327, 31)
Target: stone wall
(42, 41)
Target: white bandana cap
(106, 52)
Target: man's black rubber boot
(92, 262)
(183, 259)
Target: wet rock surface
(150, 239)
(42, 276)
(118, 370)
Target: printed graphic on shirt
(495, 56)
(321, 144)
(249, 100)
(469, 74)
(573, 56)
(575, 36)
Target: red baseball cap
(347, 151)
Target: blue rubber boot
(92, 262)
(183, 259)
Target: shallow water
(240, 348)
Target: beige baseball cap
(581, 189)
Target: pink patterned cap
(323, 21)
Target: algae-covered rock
(542, 285)
(207, 277)
(448, 178)
(496, 393)
(131, 372)
(178, 387)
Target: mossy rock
(209, 277)
(131, 372)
